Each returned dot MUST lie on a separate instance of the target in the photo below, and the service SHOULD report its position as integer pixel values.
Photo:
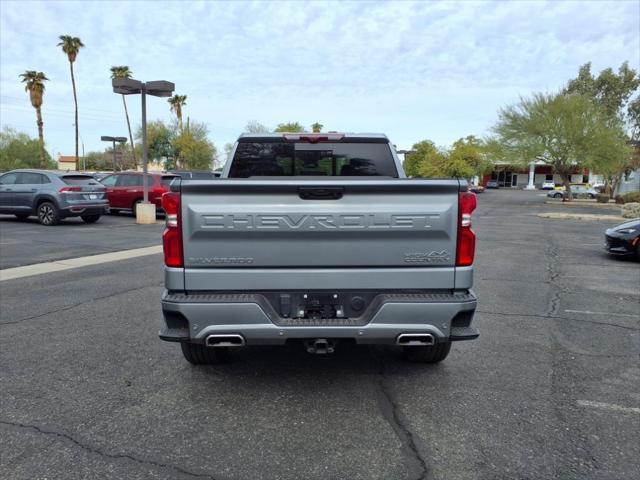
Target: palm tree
(317, 127)
(177, 102)
(34, 84)
(71, 46)
(123, 71)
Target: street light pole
(106, 138)
(145, 212)
(114, 154)
(145, 175)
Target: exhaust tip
(231, 340)
(415, 339)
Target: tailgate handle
(320, 193)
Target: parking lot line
(588, 312)
(608, 406)
(70, 263)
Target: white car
(548, 185)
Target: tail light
(172, 235)
(70, 189)
(466, 247)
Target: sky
(412, 70)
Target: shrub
(602, 198)
(631, 210)
(630, 197)
(619, 200)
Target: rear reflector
(172, 235)
(466, 246)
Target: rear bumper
(77, 210)
(192, 318)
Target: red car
(124, 190)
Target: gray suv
(52, 195)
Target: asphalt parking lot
(26, 242)
(550, 390)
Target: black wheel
(90, 218)
(433, 354)
(134, 207)
(48, 214)
(557, 195)
(114, 211)
(198, 354)
(21, 216)
(592, 196)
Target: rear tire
(557, 195)
(114, 211)
(48, 214)
(198, 354)
(90, 218)
(433, 354)
(21, 216)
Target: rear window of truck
(327, 159)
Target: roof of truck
(322, 134)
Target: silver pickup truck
(318, 238)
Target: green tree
(565, 131)
(609, 89)
(316, 127)
(71, 47)
(97, 161)
(193, 147)
(177, 102)
(421, 153)
(471, 151)
(253, 126)
(615, 93)
(160, 139)
(289, 127)
(189, 148)
(18, 150)
(34, 84)
(123, 71)
(634, 118)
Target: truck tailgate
(381, 223)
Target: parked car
(341, 250)
(623, 239)
(577, 191)
(195, 174)
(476, 188)
(52, 196)
(492, 184)
(548, 185)
(124, 189)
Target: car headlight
(626, 231)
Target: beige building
(67, 162)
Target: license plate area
(313, 306)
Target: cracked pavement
(88, 391)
